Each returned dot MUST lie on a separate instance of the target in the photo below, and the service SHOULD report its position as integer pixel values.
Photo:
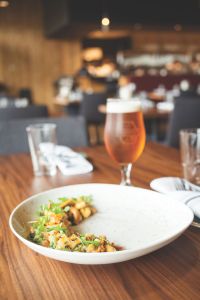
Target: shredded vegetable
(54, 226)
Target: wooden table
(172, 272)
(155, 97)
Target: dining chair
(186, 114)
(71, 131)
(26, 93)
(89, 109)
(31, 111)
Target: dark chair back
(26, 93)
(13, 137)
(32, 111)
(186, 114)
(89, 108)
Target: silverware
(184, 185)
(196, 222)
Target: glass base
(51, 172)
(126, 183)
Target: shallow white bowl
(139, 220)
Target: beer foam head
(122, 106)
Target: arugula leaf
(67, 208)
(85, 242)
(52, 242)
(55, 208)
(40, 222)
(57, 228)
(63, 199)
(88, 199)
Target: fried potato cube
(61, 243)
(67, 202)
(110, 248)
(80, 204)
(101, 248)
(55, 219)
(73, 237)
(76, 215)
(86, 212)
(74, 243)
(91, 248)
(45, 243)
(89, 236)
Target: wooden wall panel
(27, 58)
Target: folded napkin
(70, 162)
(167, 185)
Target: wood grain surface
(27, 58)
(172, 272)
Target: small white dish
(139, 220)
(164, 185)
(167, 186)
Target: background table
(172, 272)
(149, 113)
(156, 121)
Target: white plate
(167, 186)
(164, 185)
(139, 220)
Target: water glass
(190, 154)
(42, 141)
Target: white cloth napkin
(167, 185)
(70, 162)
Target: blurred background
(71, 55)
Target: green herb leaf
(85, 242)
(88, 199)
(63, 199)
(67, 208)
(53, 242)
(57, 228)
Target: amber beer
(124, 133)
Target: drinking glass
(124, 134)
(190, 154)
(42, 141)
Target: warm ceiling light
(105, 21)
(4, 3)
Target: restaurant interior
(119, 83)
(60, 53)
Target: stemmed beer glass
(124, 134)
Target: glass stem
(126, 174)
